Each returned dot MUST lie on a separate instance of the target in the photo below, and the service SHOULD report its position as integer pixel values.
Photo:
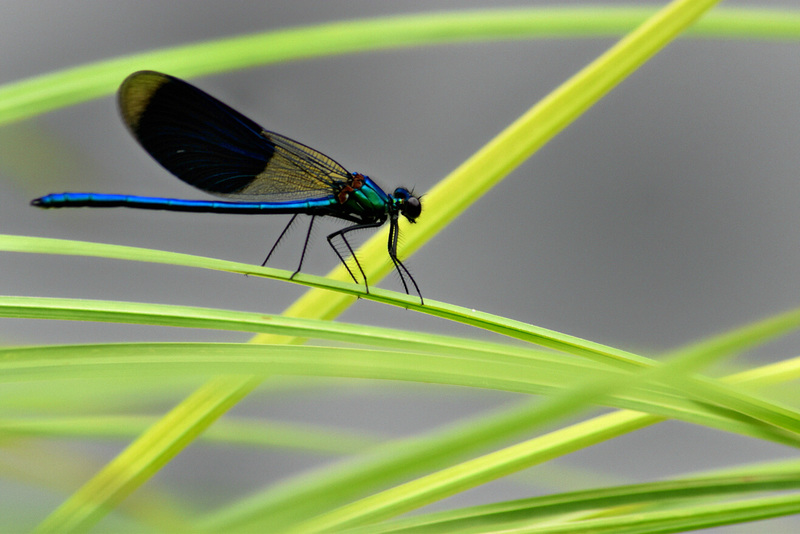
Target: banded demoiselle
(218, 150)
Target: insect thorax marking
(357, 182)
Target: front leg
(394, 233)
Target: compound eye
(411, 208)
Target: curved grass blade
(212, 357)
(528, 512)
(33, 96)
(239, 431)
(516, 329)
(496, 464)
(312, 493)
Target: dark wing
(213, 147)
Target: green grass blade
(771, 327)
(230, 430)
(79, 361)
(26, 98)
(295, 500)
(680, 518)
(493, 323)
(527, 512)
(527, 376)
(550, 368)
(274, 503)
(684, 518)
(290, 327)
(458, 478)
(312, 493)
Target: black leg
(394, 233)
(341, 233)
(402, 270)
(305, 246)
(279, 239)
(392, 245)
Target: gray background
(667, 213)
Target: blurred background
(667, 213)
